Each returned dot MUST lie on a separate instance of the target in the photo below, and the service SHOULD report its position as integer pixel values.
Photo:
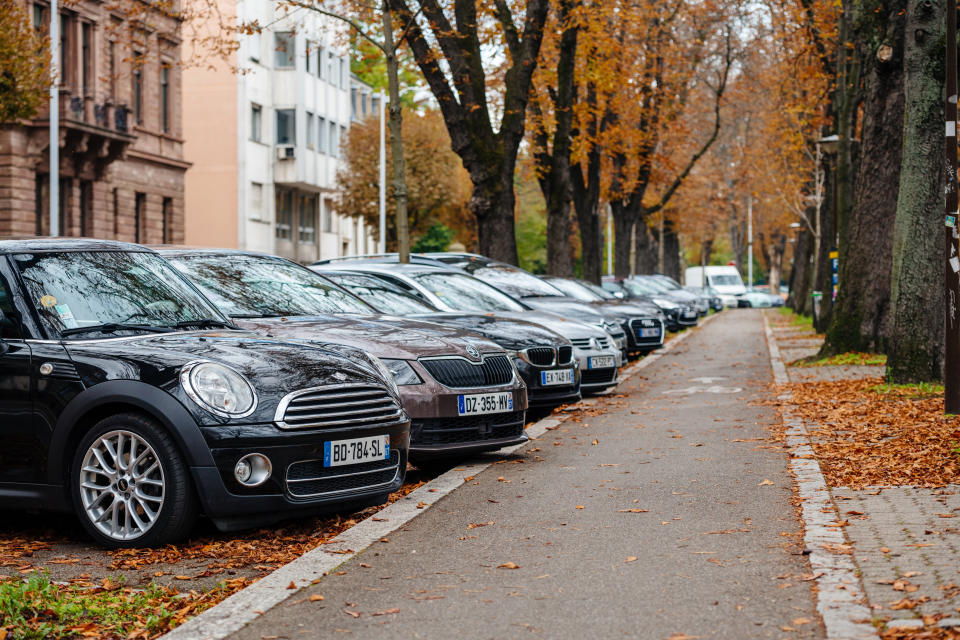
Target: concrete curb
(244, 606)
(840, 594)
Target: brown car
(460, 390)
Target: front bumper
(540, 395)
(437, 428)
(296, 455)
(636, 341)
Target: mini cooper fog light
(252, 470)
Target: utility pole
(951, 395)
(609, 240)
(750, 242)
(383, 177)
(54, 186)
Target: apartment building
(265, 142)
(121, 147)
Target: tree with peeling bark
(448, 43)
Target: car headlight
(218, 389)
(401, 372)
(664, 303)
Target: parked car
(128, 398)
(760, 299)
(700, 301)
(536, 293)
(713, 298)
(680, 313)
(541, 356)
(451, 289)
(725, 279)
(460, 390)
(645, 326)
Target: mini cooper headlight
(402, 373)
(218, 389)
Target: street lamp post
(383, 179)
(750, 243)
(951, 395)
(54, 186)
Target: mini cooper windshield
(111, 291)
(252, 286)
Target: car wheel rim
(121, 485)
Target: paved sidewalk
(905, 540)
(663, 511)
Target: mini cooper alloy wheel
(121, 485)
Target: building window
(255, 46)
(307, 224)
(320, 62)
(332, 143)
(364, 98)
(112, 52)
(116, 213)
(39, 18)
(42, 203)
(65, 41)
(86, 49)
(306, 55)
(167, 220)
(310, 132)
(353, 103)
(165, 98)
(256, 201)
(256, 122)
(331, 77)
(284, 42)
(286, 126)
(322, 136)
(284, 214)
(139, 223)
(375, 103)
(344, 74)
(138, 87)
(327, 213)
(341, 138)
(86, 208)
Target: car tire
(146, 499)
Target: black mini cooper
(126, 397)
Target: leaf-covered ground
(866, 433)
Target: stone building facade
(121, 148)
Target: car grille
(638, 324)
(338, 405)
(597, 376)
(540, 356)
(460, 372)
(309, 478)
(564, 354)
(586, 343)
(605, 342)
(466, 429)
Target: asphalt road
(715, 552)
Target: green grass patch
(913, 391)
(34, 607)
(795, 319)
(843, 359)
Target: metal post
(750, 243)
(383, 177)
(609, 240)
(951, 396)
(54, 152)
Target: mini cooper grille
(564, 355)
(466, 429)
(597, 376)
(309, 478)
(459, 372)
(342, 405)
(540, 356)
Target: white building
(265, 142)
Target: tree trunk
(775, 263)
(860, 320)
(492, 203)
(670, 250)
(822, 276)
(799, 299)
(395, 123)
(916, 340)
(738, 235)
(623, 222)
(647, 250)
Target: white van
(725, 279)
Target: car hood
(509, 333)
(563, 325)
(632, 308)
(274, 367)
(382, 335)
(575, 309)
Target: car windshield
(724, 280)
(251, 286)
(639, 288)
(516, 282)
(465, 293)
(667, 282)
(381, 295)
(574, 289)
(652, 284)
(89, 289)
(600, 292)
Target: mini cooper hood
(273, 367)
(509, 333)
(383, 336)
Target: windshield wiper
(265, 314)
(113, 327)
(205, 323)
